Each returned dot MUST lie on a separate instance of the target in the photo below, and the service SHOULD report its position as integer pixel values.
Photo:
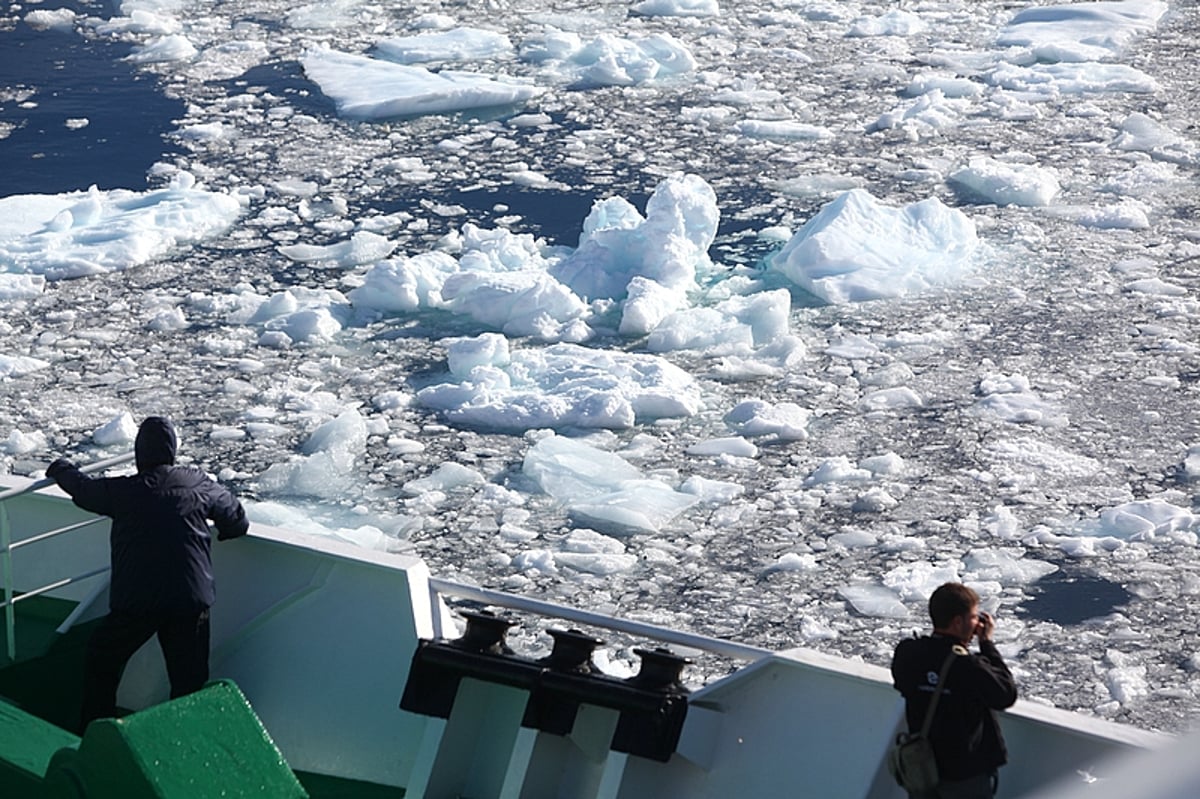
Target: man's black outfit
(965, 734)
(162, 581)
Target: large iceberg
(669, 245)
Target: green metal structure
(208, 744)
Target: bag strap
(937, 693)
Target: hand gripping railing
(7, 546)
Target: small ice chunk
(754, 417)
(22, 443)
(1006, 184)
(874, 600)
(733, 445)
(669, 246)
(121, 429)
(460, 44)
(854, 539)
(917, 581)
(1145, 520)
(47, 19)
(1004, 567)
(363, 248)
(712, 492)
(446, 477)
(20, 287)
(793, 562)
(17, 365)
(347, 431)
(165, 49)
(677, 8)
(535, 560)
(837, 469)
(602, 488)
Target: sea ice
(21, 443)
(362, 248)
(1106, 26)
(529, 303)
(302, 520)
(927, 115)
(16, 365)
(563, 385)
(302, 172)
(1141, 133)
(1005, 567)
(733, 445)
(608, 60)
(677, 8)
(793, 561)
(915, 582)
(85, 233)
(46, 19)
(368, 88)
(460, 44)
(1011, 399)
(874, 600)
(1052, 80)
(588, 551)
(1006, 184)
(175, 47)
(446, 477)
(712, 492)
(785, 420)
(838, 469)
(1147, 520)
(120, 430)
(896, 22)
(405, 284)
(670, 245)
(602, 489)
(326, 469)
(857, 249)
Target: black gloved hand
(58, 467)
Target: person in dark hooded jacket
(967, 743)
(162, 581)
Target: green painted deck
(27, 746)
(208, 744)
(46, 677)
(320, 786)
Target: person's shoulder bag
(911, 760)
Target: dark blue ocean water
(48, 77)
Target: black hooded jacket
(161, 561)
(965, 734)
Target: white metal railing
(719, 646)
(7, 546)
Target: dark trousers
(981, 787)
(183, 639)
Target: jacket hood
(155, 444)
